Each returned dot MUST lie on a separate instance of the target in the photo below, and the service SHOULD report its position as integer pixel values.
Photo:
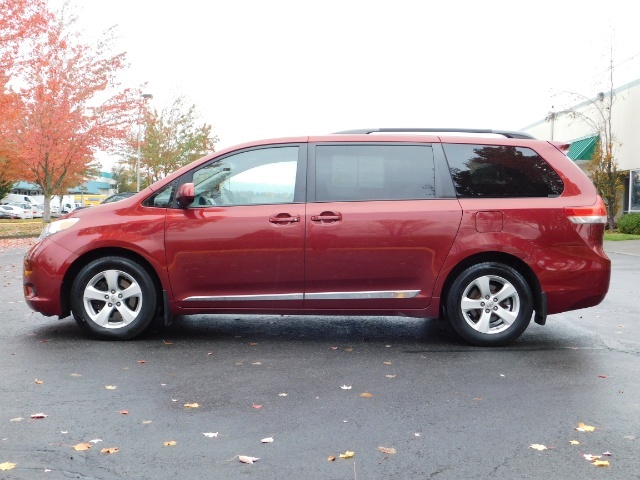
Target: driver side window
(255, 177)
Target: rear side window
(373, 172)
(500, 171)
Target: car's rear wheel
(489, 304)
(113, 298)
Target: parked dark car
(485, 232)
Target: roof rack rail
(505, 133)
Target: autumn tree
(172, 138)
(70, 106)
(21, 21)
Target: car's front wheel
(489, 304)
(113, 298)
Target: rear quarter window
(500, 171)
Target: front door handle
(284, 218)
(327, 217)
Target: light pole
(145, 97)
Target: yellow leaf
(537, 446)
(7, 466)
(366, 395)
(574, 442)
(191, 405)
(110, 387)
(109, 450)
(82, 446)
(601, 463)
(347, 454)
(171, 443)
(585, 428)
(386, 450)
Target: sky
(262, 69)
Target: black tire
(489, 304)
(113, 298)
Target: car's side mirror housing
(186, 194)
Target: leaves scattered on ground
(7, 466)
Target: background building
(625, 118)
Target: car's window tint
(373, 172)
(255, 177)
(500, 171)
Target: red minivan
(486, 232)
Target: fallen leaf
(267, 440)
(7, 466)
(170, 443)
(147, 422)
(124, 412)
(64, 432)
(333, 348)
(590, 457)
(257, 406)
(348, 349)
(95, 440)
(110, 387)
(390, 376)
(346, 387)
(417, 434)
(601, 463)
(602, 376)
(253, 344)
(478, 398)
(211, 434)
(584, 428)
(256, 363)
(366, 395)
(82, 446)
(245, 459)
(167, 343)
(574, 442)
(39, 415)
(174, 399)
(210, 353)
(39, 382)
(331, 458)
(386, 450)
(191, 405)
(282, 394)
(109, 450)
(75, 375)
(141, 361)
(347, 454)
(388, 363)
(607, 454)
(17, 419)
(537, 446)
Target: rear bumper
(572, 277)
(43, 271)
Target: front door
(240, 244)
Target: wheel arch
(539, 302)
(89, 257)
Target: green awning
(583, 149)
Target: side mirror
(186, 194)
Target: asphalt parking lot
(406, 397)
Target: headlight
(57, 226)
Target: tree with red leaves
(69, 105)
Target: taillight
(596, 213)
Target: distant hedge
(629, 223)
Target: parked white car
(29, 209)
(17, 212)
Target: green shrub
(629, 223)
